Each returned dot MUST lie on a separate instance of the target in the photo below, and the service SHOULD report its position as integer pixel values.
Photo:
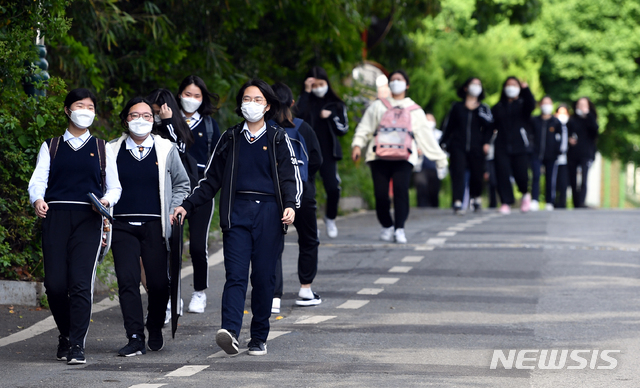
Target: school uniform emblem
(551, 129)
(92, 155)
(264, 148)
(200, 134)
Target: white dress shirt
(251, 138)
(40, 177)
(193, 120)
(140, 151)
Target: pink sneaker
(525, 206)
(505, 209)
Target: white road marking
(424, 248)
(457, 228)
(313, 319)
(436, 241)
(187, 370)
(386, 281)
(400, 269)
(370, 291)
(147, 386)
(353, 304)
(447, 234)
(412, 259)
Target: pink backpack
(393, 137)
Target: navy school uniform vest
(72, 175)
(254, 167)
(140, 199)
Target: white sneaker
(400, 237)
(332, 229)
(275, 306)
(386, 234)
(535, 206)
(198, 302)
(549, 207)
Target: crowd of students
(172, 160)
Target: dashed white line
(400, 269)
(457, 228)
(412, 259)
(386, 281)
(313, 319)
(353, 304)
(436, 241)
(370, 291)
(147, 386)
(187, 370)
(447, 233)
(424, 248)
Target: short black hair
(462, 93)
(164, 96)
(125, 111)
(80, 94)
(210, 100)
(402, 73)
(266, 91)
(284, 117)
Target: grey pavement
(432, 312)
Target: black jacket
(547, 137)
(221, 174)
(586, 129)
(466, 129)
(315, 159)
(309, 107)
(512, 120)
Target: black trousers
(562, 182)
(511, 165)
(382, 171)
(307, 228)
(70, 247)
(331, 181)
(492, 183)
(459, 162)
(579, 193)
(199, 223)
(427, 187)
(129, 244)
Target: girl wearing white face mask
(467, 127)
(512, 116)
(583, 135)
(255, 169)
(69, 167)
(547, 140)
(154, 182)
(321, 107)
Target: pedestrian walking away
(68, 168)
(305, 221)
(255, 169)
(466, 129)
(583, 134)
(154, 182)
(321, 108)
(386, 133)
(547, 140)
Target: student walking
(154, 182)
(255, 169)
(512, 115)
(305, 221)
(325, 112)
(466, 129)
(68, 168)
(387, 132)
(547, 139)
(583, 134)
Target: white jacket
(423, 135)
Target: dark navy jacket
(547, 138)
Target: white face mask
(190, 104)
(581, 113)
(252, 111)
(512, 91)
(140, 127)
(431, 124)
(546, 109)
(474, 90)
(397, 86)
(321, 91)
(563, 119)
(157, 119)
(82, 118)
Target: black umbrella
(175, 266)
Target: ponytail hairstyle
(181, 129)
(284, 117)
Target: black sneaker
(257, 348)
(135, 347)
(227, 341)
(309, 302)
(76, 355)
(63, 348)
(155, 342)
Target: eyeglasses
(146, 116)
(259, 100)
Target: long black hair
(125, 111)
(592, 108)
(210, 100)
(181, 129)
(266, 91)
(503, 95)
(320, 73)
(284, 117)
(462, 93)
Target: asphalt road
(433, 312)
